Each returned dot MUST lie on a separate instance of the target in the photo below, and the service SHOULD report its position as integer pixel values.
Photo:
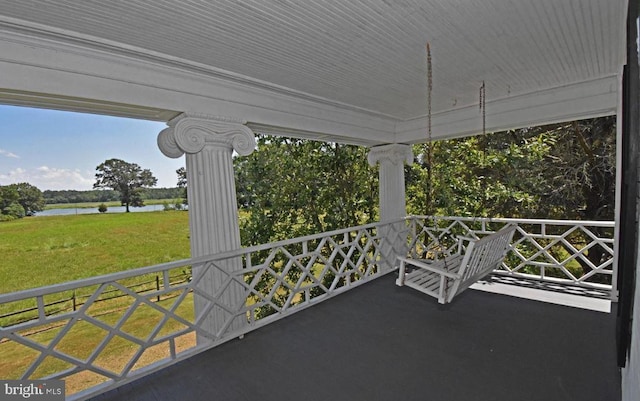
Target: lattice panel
(294, 274)
(574, 252)
(106, 334)
(97, 332)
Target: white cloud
(13, 176)
(51, 178)
(9, 154)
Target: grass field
(41, 251)
(38, 251)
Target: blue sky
(59, 150)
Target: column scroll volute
(190, 134)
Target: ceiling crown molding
(105, 80)
(55, 38)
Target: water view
(89, 210)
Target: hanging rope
(430, 187)
(429, 138)
(483, 110)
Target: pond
(89, 210)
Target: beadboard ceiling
(366, 55)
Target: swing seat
(448, 277)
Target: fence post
(158, 287)
(73, 298)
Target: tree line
(115, 180)
(105, 195)
(293, 187)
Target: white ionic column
(208, 144)
(393, 204)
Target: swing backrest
(482, 257)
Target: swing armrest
(462, 239)
(431, 268)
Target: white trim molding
(589, 99)
(86, 75)
(89, 77)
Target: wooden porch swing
(475, 258)
(448, 277)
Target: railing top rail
(311, 237)
(97, 280)
(593, 223)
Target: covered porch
(346, 72)
(332, 294)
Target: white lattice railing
(104, 331)
(563, 254)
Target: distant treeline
(106, 195)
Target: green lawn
(38, 251)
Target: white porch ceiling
(364, 57)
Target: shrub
(102, 208)
(6, 217)
(14, 210)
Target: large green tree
(29, 197)
(580, 177)
(559, 171)
(129, 179)
(18, 200)
(294, 187)
(9, 207)
(580, 170)
(478, 176)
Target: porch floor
(383, 342)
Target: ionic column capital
(394, 153)
(190, 133)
